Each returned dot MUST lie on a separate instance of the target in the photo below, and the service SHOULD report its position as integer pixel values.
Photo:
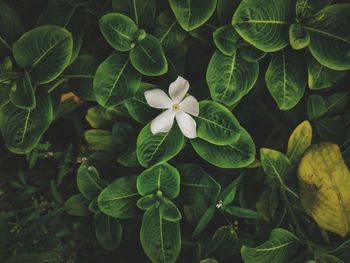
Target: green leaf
(264, 23)
(98, 118)
(216, 124)
(72, 18)
(142, 12)
(22, 129)
(108, 231)
(280, 247)
(10, 26)
(160, 239)
(89, 181)
(225, 9)
(119, 31)
(101, 140)
(267, 203)
(93, 207)
(44, 51)
(118, 199)
(209, 260)
(204, 220)
(330, 130)
(275, 165)
(148, 57)
(335, 103)
(22, 93)
(229, 195)
(286, 79)
(251, 53)
(163, 177)
(230, 77)
(197, 186)
(241, 212)
(299, 141)
(224, 243)
(157, 148)
(138, 107)
(146, 201)
(316, 105)
(77, 205)
(227, 39)
(236, 155)
(129, 158)
(168, 210)
(305, 9)
(168, 31)
(81, 75)
(326, 258)
(321, 77)
(115, 80)
(330, 37)
(299, 38)
(123, 133)
(191, 14)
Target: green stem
(57, 84)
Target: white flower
(177, 106)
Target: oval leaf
(89, 181)
(11, 27)
(162, 177)
(264, 23)
(115, 80)
(77, 205)
(235, 155)
(324, 182)
(168, 31)
(230, 77)
(22, 93)
(160, 239)
(108, 231)
(118, 199)
(148, 57)
(192, 13)
(216, 124)
(22, 128)
(280, 247)
(44, 51)
(118, 30)
(299, 141)
(330, 37)
(286, 79)
(157, 148)
(197, 186)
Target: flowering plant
(174, 131)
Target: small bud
(139, 35)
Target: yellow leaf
(324, 182)
(299, 141)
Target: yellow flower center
(176, 107)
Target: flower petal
(178, 89)
(163, 122)
(157, 98)
(187, 124)
(190, 105)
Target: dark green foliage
(83, 175)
